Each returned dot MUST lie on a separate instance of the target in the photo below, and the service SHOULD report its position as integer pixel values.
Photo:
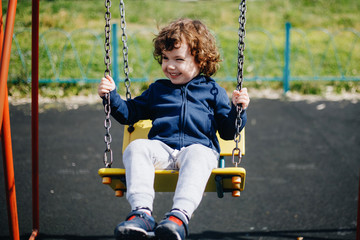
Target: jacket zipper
(183, 116)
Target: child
(186, 110)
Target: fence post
(115, 67)
(286, 74)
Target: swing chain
(107, 108)
(241, 47)
(125, 51)
(241, 43)
(107, 45)
(107, 138)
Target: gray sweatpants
(143, 156)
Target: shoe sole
(129, 233)
(164, 233)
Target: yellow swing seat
(225, 179)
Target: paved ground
(302, 162)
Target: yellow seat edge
(121, 171)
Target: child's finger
(244, 91)
(235, 97)
(109, 78)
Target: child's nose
(171, 66)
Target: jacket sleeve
(128, 112)
(226, 116)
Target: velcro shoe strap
(179, 220)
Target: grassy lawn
(145, 17)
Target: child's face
(179, 65)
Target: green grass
(221, 16)
(269, 14)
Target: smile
(174, 74)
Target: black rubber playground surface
(302, 162)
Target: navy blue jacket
(181, 114)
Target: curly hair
(201, 42)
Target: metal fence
(290, 55)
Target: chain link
(125, 50)
(107, 123)
(241, 47)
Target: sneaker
(138, 225)
(173, 227)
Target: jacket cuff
(112, 93)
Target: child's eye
(165, 58)
(179, 59)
